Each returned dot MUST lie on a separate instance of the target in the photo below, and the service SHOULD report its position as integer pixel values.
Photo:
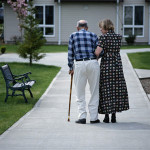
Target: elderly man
(81, 48)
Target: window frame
(133, 20)
(44, 19)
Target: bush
(3, 49)
(130, 39)
(16, 39)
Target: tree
(33, 37)
(20, 7)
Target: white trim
(133, 17)
(117, 17)
(59, 37)
(51, 26)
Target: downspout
(59, 37)
(4, 25)
(149, 25)
(117, 17)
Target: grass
(11, 48)
(140, 60)
(134, 46)
(16, 107)
(54, 48)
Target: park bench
(15, 83)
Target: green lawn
(140, 60)
(54, 48)
(10, 48)
(134, 46)
(16, 107)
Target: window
(133, 21)
(45, 15)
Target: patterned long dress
(113, 95)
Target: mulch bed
(146, 85)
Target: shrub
(130, 39)
(3, 49)
(16, 39)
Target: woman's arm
(98, 51)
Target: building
(58, 18)
(1, 15)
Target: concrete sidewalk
(45, 127)
(142, 73)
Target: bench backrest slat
(7, 73)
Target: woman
(113, 91)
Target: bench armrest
(20, 78)
(25, 74)
(17, 79)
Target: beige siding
(120, 19)
(10, 24)
(92, 12)
(133, 2)
(146, 20)
(44, 1)
(72, 12)
(146, 26)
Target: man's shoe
(81, 121)
(96, 121)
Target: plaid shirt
(82, 44)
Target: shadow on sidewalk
(123, 126)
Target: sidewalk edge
(139, 83)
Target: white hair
(82, 23)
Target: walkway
(45, 127)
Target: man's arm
(70, 55)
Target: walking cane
(70, 97)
